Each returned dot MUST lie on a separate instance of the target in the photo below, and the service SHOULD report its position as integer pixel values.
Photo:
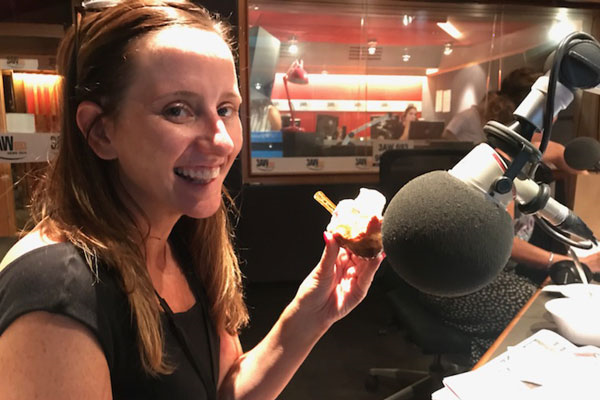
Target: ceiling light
(560, 29)
(407, 19)
(430, 71)
(450, 29)
(448, 49)
(293, 45)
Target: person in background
(264, 116)
(468, 125)
(409, 115)
(128, 286)
(517, 84)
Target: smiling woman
(129, 287)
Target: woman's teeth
(197, 174)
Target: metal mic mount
(575, 65)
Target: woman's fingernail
(326, 237)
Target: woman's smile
(198, 175)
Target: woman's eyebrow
(230, 96)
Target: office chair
(422, 327)
(448, 346)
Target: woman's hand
(592, 261)
(338, 283)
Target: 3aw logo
(264, 164)
(361, 163)
(11, 149)
(315, 164)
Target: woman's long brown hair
(80, 198)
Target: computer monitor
(327, 125)
(302, 144)
(426, 130)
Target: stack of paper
(543, 366)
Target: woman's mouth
(197, 174)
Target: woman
(410, 114)
(128, 286)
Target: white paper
(543, 366)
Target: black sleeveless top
(56, 279)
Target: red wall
(349, 87)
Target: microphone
(483, 169)
(449, 234)
(583, 153)
(443, 236)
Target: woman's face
(177, 130)
(411, 115)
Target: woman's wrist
(550, 260)
(310, 319)
(553, 258)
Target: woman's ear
(94, 127)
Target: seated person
(394, 127)
(264, 116)
(410, 114)
(467, 125)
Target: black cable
(560, 235)
(560, 53)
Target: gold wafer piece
(324, 201)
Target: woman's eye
(225, 111)
(178, 113)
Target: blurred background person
(409, 115)
(264, 116)
(467, 125)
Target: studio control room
(340, 200)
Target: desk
(532, 317)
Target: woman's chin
(204, 209)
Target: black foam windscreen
(583, 153)
(443, 237)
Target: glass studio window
(331, 86)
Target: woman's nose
(222, 137)
(217, 136)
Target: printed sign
(312, 165)
(27, 147)
(381, 145)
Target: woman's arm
(526, 253)
(337, 284)
(555, 154)
(52, 357)
(274, 118)
(405, 126)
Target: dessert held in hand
(356, 223)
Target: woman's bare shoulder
(31, 241)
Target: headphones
(564, 272)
